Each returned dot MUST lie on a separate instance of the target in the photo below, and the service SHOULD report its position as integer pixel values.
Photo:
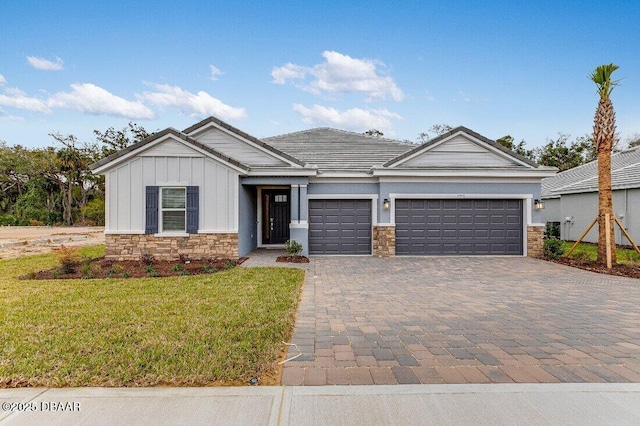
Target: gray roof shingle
(338, 149)
(625, 173)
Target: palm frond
(601, 76)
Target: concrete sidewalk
(494, 404)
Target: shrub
(177, 267)
(147, 258)
(293, 248)
(68, 259)
(93, 211)
(553, 248)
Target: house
(213, 190)
(571, 198)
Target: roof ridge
(374, 138)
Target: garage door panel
(456, 226)
(340, 226)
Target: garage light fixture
(538, 205)
(385, 204)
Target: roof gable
(167, 143)
(460, 148)
(237, 144)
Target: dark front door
(275, 216)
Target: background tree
(374, 132)
(434, 131)
(509, 142)
(565, 155)
(604, 134)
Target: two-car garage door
(459, 227)
(423, 226)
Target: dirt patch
(587, 265)
(106, 268)
(292, 259)
(18, 241)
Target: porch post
(295, 203)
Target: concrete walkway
(550, 404)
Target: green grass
(191, 330)
(590, 252)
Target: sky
(497, 67)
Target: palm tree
(604, 128)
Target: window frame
(162, 209)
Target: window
(280, 198)
(173, 209)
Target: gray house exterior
(571, 197)
(213, 190)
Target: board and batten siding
(458, 152)
(126, 185)
(236, 148)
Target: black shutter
(192, 209)
(151, 206)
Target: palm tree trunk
(605, 206)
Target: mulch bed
(106, 268)
(619, 270)
(293, 259)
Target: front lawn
(589, 252)
(191, 330)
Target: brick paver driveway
(365, 320)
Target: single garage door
(340, 226)
(464, 227)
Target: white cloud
(215, 72)
(91, 99)
(3, 80)
(199, 104)
(45, 64)
(462, 97)
(354, 119)
(7, 117)
(288, 71)
(341, 74)
(16, 98)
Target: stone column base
(384, 240)
(535, 235)
(193, 246)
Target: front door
(276, 214)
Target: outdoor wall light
(386, 204)
(538, 205)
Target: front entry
(276, 214)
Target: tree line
(53, 185)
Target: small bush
(553, 248)
(177, 267)
(94, 211)
(68, 259)
(293, 248)
(147, 258)
(229, 264)
(150, 268)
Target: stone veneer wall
(384, 241)
(194, 246)
(535, 235)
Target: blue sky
(497, 67)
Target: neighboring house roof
(625, 174)
(338, 149)
(461, 129)
(191, 129)
(123, 153)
